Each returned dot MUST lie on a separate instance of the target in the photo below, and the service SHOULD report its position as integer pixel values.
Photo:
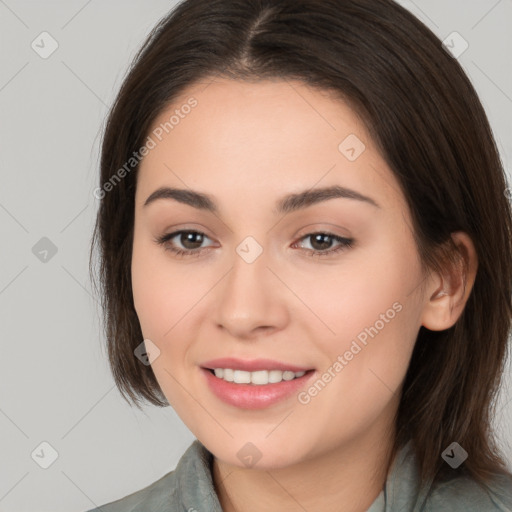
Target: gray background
(55, 384)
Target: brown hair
(430, 127)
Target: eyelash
(346, 243)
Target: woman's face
(267, 277)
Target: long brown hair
(430, 127)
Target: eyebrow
(286, 204)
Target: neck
(348, 478)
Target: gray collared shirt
(189, 488)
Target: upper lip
(252, 365)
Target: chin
(258, 453)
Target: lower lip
(250, 396)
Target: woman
(305, 248)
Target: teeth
(259, 378)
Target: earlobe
(447, 301)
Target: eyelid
(319, 227)
(345, 243)
(166, 237)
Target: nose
(251, 300)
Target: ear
(447, 294)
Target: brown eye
(189, 240)
(321, 243)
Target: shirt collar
(196, 489)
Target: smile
(269, 387)
(258, 378)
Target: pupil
(322, 241)
(189, 238)
(323, 244)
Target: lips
(252, 397)
(252, 365)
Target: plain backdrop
(55, 384)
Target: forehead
(267, 135)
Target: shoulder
(158, 496)
(187, 486)
(461, 493)
(466, 494)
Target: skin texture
(247, 145)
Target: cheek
(373, 318)
(364, 362)
(354, 295)
(161, 300)
(159, 291)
